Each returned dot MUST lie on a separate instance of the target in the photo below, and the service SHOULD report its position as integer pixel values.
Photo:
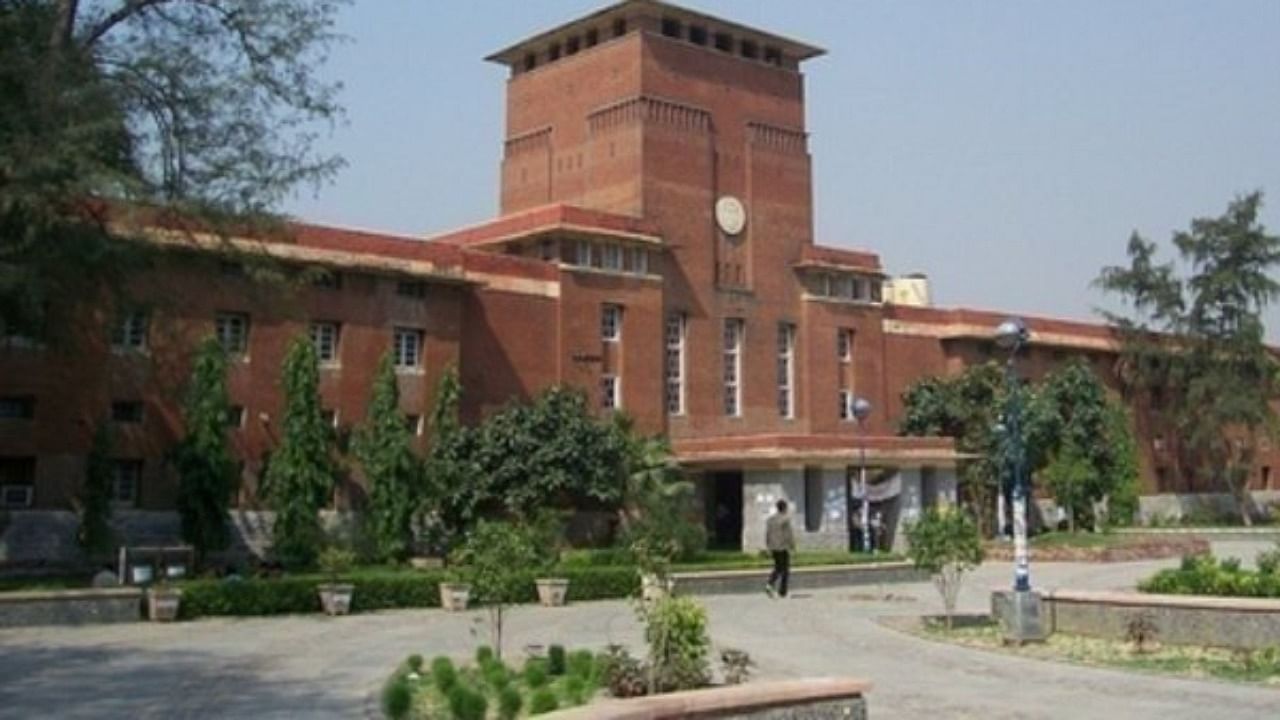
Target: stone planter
(163, 604)
(335, 598)
(454, 596)
(552, 591)
(653, 587)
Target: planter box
(552, 592)
(163, 604)
(70, 607)
(454, 597)
(335, 599)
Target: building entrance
(724, 510)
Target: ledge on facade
(774, 450)
(558, 219)
(969, 324)
(828, 258)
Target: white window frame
(611, 257)
(131, 330)
(846, 405)
(611, 323)
(415, 338)
(224, 324)
(610, 392)
(28, 495)
(415, 424)
(317, 331)
(734, 332)
(582, 253)
(786, 370)
(675, 331)
(844, 345)
(639, 260)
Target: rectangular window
(733, 332)
(610, 392)
(330, 418)
(842, 287)
(582, 253)
(411, 288)
(786, 370)
(675, 334)
(130, 331)
(17, 482)
(328, 280)
(126, 411)
(414, 424)
(325, 335)
(126, 476)
(844, 345)
(611, 323)
(21, 407)
(611, 256)
(408, 347)
(638, 261)
(235, 416)
(232, 330)
(846, 405)
(547, 250)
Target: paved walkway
(313, 667)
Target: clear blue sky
(1007, 149)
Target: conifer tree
(394, 473)
(206, 470)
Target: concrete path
(313, 667)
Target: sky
(1006, 149)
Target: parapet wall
(812, 699)
(1237, 623)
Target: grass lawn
(1259, 666)
(1081, 539)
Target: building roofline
(511, 54)
(551, 218)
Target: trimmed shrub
(542, 702)
(582, 664)
(484, 655)
(444, 674)
(1203, 575)
(396, 699)
(676, 631)
(556, 660)
(509, 703)
(495, 674)
(415, 662)
(535, 672)
(575, 690)
(467, 704)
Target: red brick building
(654, 246)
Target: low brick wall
(1238, 623)
(70, 607)
(728, 582)
(813, 699)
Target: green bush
(444, 674)
(396, 699)
(509, 703)
(676, 631)
(1269, 561)
(542, 702)
(495, 674)
(484, 655)
(556, 660)
(1203, 575)
(415, 662)
(575, 690)
(467, 704)
(945, 542)
(582, 664)
(535, 672)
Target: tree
(300, 477)
(206, 108)
(394, 473)
(945, 543)
(496, 562)
(655, 507)
(1193, 346)
(206, 470)
(95, 535)
(447, 503)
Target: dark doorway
(724, 511)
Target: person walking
(780, 541)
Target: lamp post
(861, 411)
(1011, 335)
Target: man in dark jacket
(781, 542)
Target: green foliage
(301, 475)
(202, 459)
(676, 633)
(449, 466)
(443, 674)
(335, 561)
(536, 672)
(556, 660)
(95, 535)
(658, 529)
(1204, 575)
(415, 662)
(208, 108)
(1193, 346)
(582, 663)
(509, 703)
(575, 690)
(624, 675)
(945, 542)
(466, 703)
(397, 698)
(543, 701)
(396, 476)
(495, 561)
(484, 655)
(1269, 561)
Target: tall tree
(206, 470)
(95, 535)
(300, 478)
(395, 474)
(1193, 345)
(209, 108)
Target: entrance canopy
(772, 451)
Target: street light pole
(862, 410)
(1012, 335)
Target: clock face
(731, 216)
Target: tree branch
(123, 13)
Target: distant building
(655, 248)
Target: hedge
(1205, 576)
(375, 591)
